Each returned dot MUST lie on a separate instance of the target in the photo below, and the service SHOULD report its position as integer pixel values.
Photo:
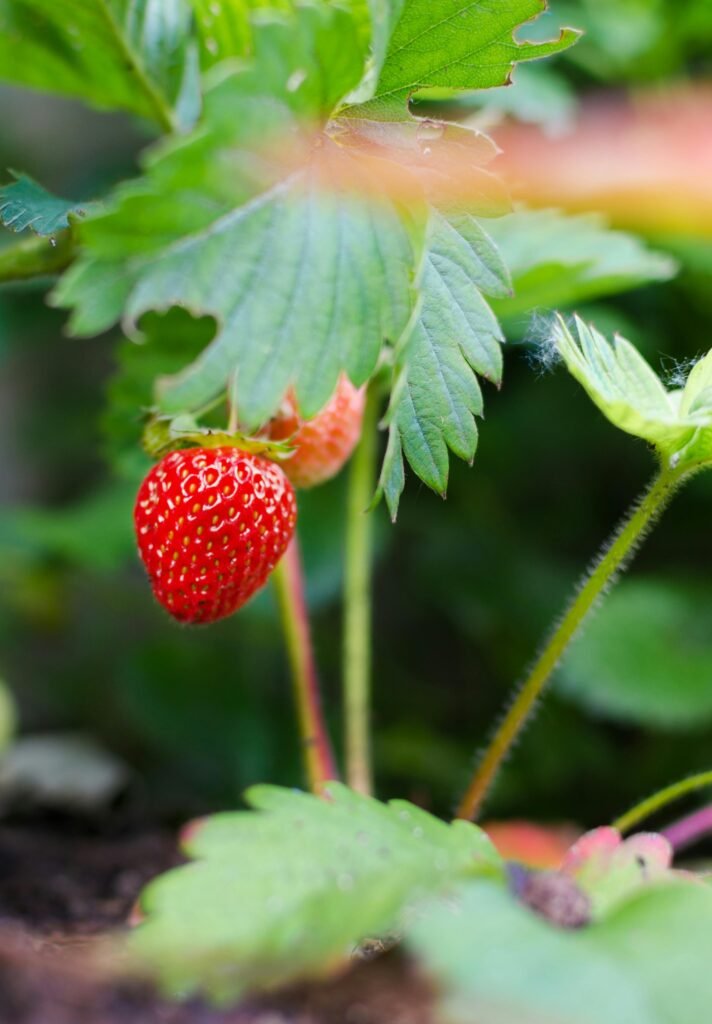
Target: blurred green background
(464, 590)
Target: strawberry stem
(689, 829)
(615, 557)
(357, 603)
(288, 580)
(653, 804)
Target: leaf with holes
(305, 276)
(288, 889)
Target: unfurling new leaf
(678, 422)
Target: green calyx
(164, 434)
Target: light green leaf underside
(628, 392)
(455, 337)
(455, 44)
(119, 54)
(645, 963)
(556, 260)
(289, 889)
(25, 204)
(288, 279)
(646, 657)
(304, 278)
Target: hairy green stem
(661, 799)
(288, 580)
(613, 560)
(357, 603)
(36, 257)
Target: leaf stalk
(652, 804)
(615, 557)
(357, 602)
(288, 578)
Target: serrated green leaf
(454, 337)
(628, 392)
(453, 44)
(305, 279)
(25, 204)
(133, 55)
(646, 657)
(287, 890)
(644, 963)
(557, 259)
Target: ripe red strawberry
(324, 443)
(211, 525)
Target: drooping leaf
(25, 204)
(646, 657)
(644, 963)
(455, 337)
(309, 269)
(557, 259)
(133, 55)
(290, 888)
(628, 392)
(305, 277)
(456, 45)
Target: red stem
(689, 829)
(316, 746)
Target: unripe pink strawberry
(324, 443)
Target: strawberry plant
(315, 253)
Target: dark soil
(64, 890)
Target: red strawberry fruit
(324, 443)
(211, 525)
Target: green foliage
(628, 392)
(25, 204)
(223, 29)
(646, 657)
(454, 45)
(290, 888)
(455, 337)
(8, 716)
(93, 533)
(556, 260)
(133, 55)
(306, 275)
(644, 963)
(170, 340)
